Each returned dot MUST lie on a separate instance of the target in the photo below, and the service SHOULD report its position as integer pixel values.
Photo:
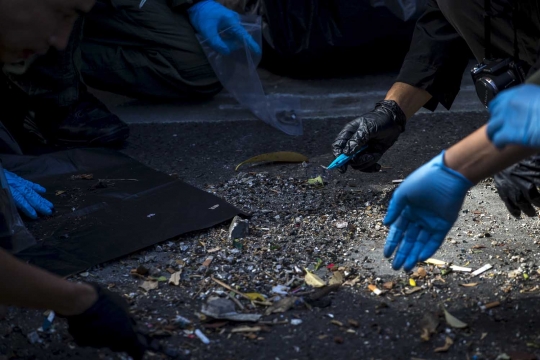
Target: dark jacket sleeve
(437, 58)
(179, 5)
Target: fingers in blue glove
(431, 247)
(406, 246)
(23, 205)
(40, 204)
(395, 235)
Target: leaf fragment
(149, 285)
(175, 278)
(316, 181)
(255, 296)
(453, 321)
(313, 280)
(279, 156)
(336, 279)
(447, 344)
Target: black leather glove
(379, 129)
(517, 186)
(107, 323)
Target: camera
(495, 75)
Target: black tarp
(131, 208)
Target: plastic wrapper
(237, 72)
(14, 236)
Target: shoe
(87, 123)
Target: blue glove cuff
(440, 160)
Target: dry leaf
(413, 290)
(469, 284)
(170, 270)
(241, 329)
(336, 279)
(447, 344)
(352, 282)
(175, 278)
(412, 282)
(313, 280)
(421, 272)
(388, 285)
(353, 323)
(374, 288)
(429, 325)
(316, 181)
(280, 156)
(453, 321)
(149, 285)
(491, 305)
(255, 296)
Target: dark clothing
(151, 52)
(450, 30)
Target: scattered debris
(296, 322)
(202, 337)
(336, 279)
(255, 296)
(413, 290)
(353, 323)
(223, 309)
(316, 181)
(82, 177)
(388, 285)
(375, 290)
(213, 207)
(283, 305)
(452, 321)
(242, 329)
(492, 305)
(435, 262)
(280, 289)
(342, 224)
(313, 280)
(239, 228)
(149, 285)
(33, 337)
(59, 192)
(460, 268)
(398, 181)
(469, 285)
(482, 269)
(335, 322)
(412, 282)
(175, 278)
(280, 156)
(429, 325)
(352, 282)
(447, 344)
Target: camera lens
(486, 89)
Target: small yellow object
(412, 282)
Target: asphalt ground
(295, 225)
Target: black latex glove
(379, 129)
(517, 186)
(108, 324)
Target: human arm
(431, 73)
(96, 317)
(211, 20)
(426, 205)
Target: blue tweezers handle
(343, 159)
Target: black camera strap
(488, 14)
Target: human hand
(107, 323)
(29, 27)
(379, 129)
(422, 211)
(26, 196)
(517, 186)
(515, 117)
(210, 18)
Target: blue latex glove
(210, 18)
(422, 211)
(26, 196)
(515, 117)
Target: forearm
(409, 98)
(25, 285)
(476, 158)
